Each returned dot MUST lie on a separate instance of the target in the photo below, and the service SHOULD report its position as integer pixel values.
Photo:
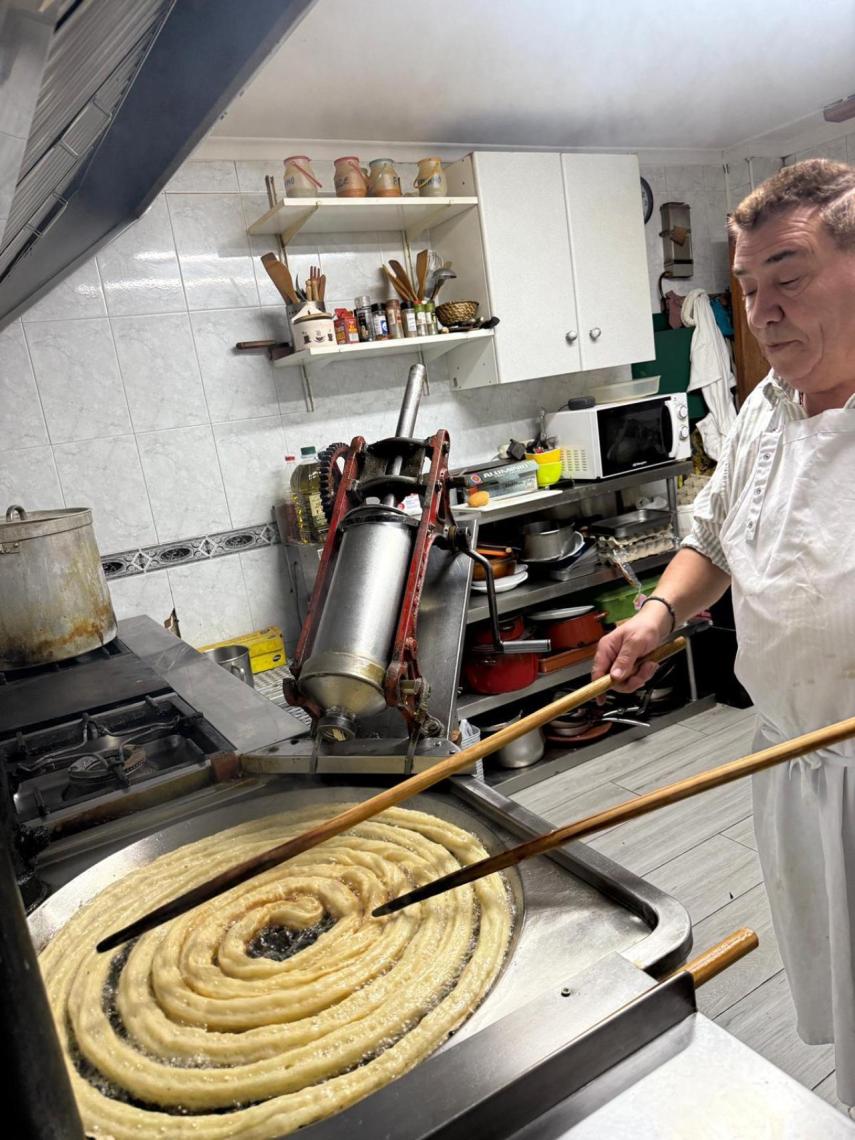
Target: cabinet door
(609, 258)
(527, 257)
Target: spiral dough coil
(197, 1031)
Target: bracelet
(668, 607)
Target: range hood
(100, 103)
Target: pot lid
(18, 524)
(560, 614)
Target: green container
(619, 604)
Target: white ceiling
(551, 73)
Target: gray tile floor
(702, 852)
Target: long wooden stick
(631, 809)
(368, 808)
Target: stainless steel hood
(100, 103)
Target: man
(777, 523)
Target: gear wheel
(331, 463)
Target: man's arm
(691, 583)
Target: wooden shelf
(430, 347)
(359, 215)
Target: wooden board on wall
(750, 363)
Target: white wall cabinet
(560, 259)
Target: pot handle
(22, 514)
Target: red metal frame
(402, 687)
(436, 517)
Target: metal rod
(412, 399)
(407, 420)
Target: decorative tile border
(146, 559)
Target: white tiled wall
(121, 389)
(703, 189)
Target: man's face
(799, 290)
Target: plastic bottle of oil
(286, 514)
(306, 492)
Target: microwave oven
(611, 439)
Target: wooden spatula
(280, 275)
(421, 272)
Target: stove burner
(107, 763)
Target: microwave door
(634, 436)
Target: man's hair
(819, 183)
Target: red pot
(499, 672)
(511, 629)
(573, 633)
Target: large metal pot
(54, 601)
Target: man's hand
(620, 651)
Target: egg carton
(633, 549)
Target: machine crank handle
(541, 645)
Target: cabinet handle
(571, 337)
(595, 334)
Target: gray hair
(819, 183)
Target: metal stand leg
(690, 665)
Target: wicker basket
(457, 312)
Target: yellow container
(266, 648)
(548, 466)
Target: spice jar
(383, 180)
(408, 318)
(300, 181)
(430, 315)
(378, 322)
(421, 321)
(362, 312)
(430, 181)
(350, 328)
(351, 181)
(340, 327)
(393, 320)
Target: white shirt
(772, 404)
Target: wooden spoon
(280, 275)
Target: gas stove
(70, 775)
(99, 739)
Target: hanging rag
(710, 370)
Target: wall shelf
(430, 347)
(359, 215)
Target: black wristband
(668, 607)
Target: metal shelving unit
(535, 593)
(474, 704)
(579, 491)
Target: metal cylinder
(350, 654)
(55, 598)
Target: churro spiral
(281, 1001)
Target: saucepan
(523, 751)
(570, 627)
(548, 541)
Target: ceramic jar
(300, 181)
(351, 181)
(383, 180)
(313, 328)
(430, 180)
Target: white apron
(790, 544)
